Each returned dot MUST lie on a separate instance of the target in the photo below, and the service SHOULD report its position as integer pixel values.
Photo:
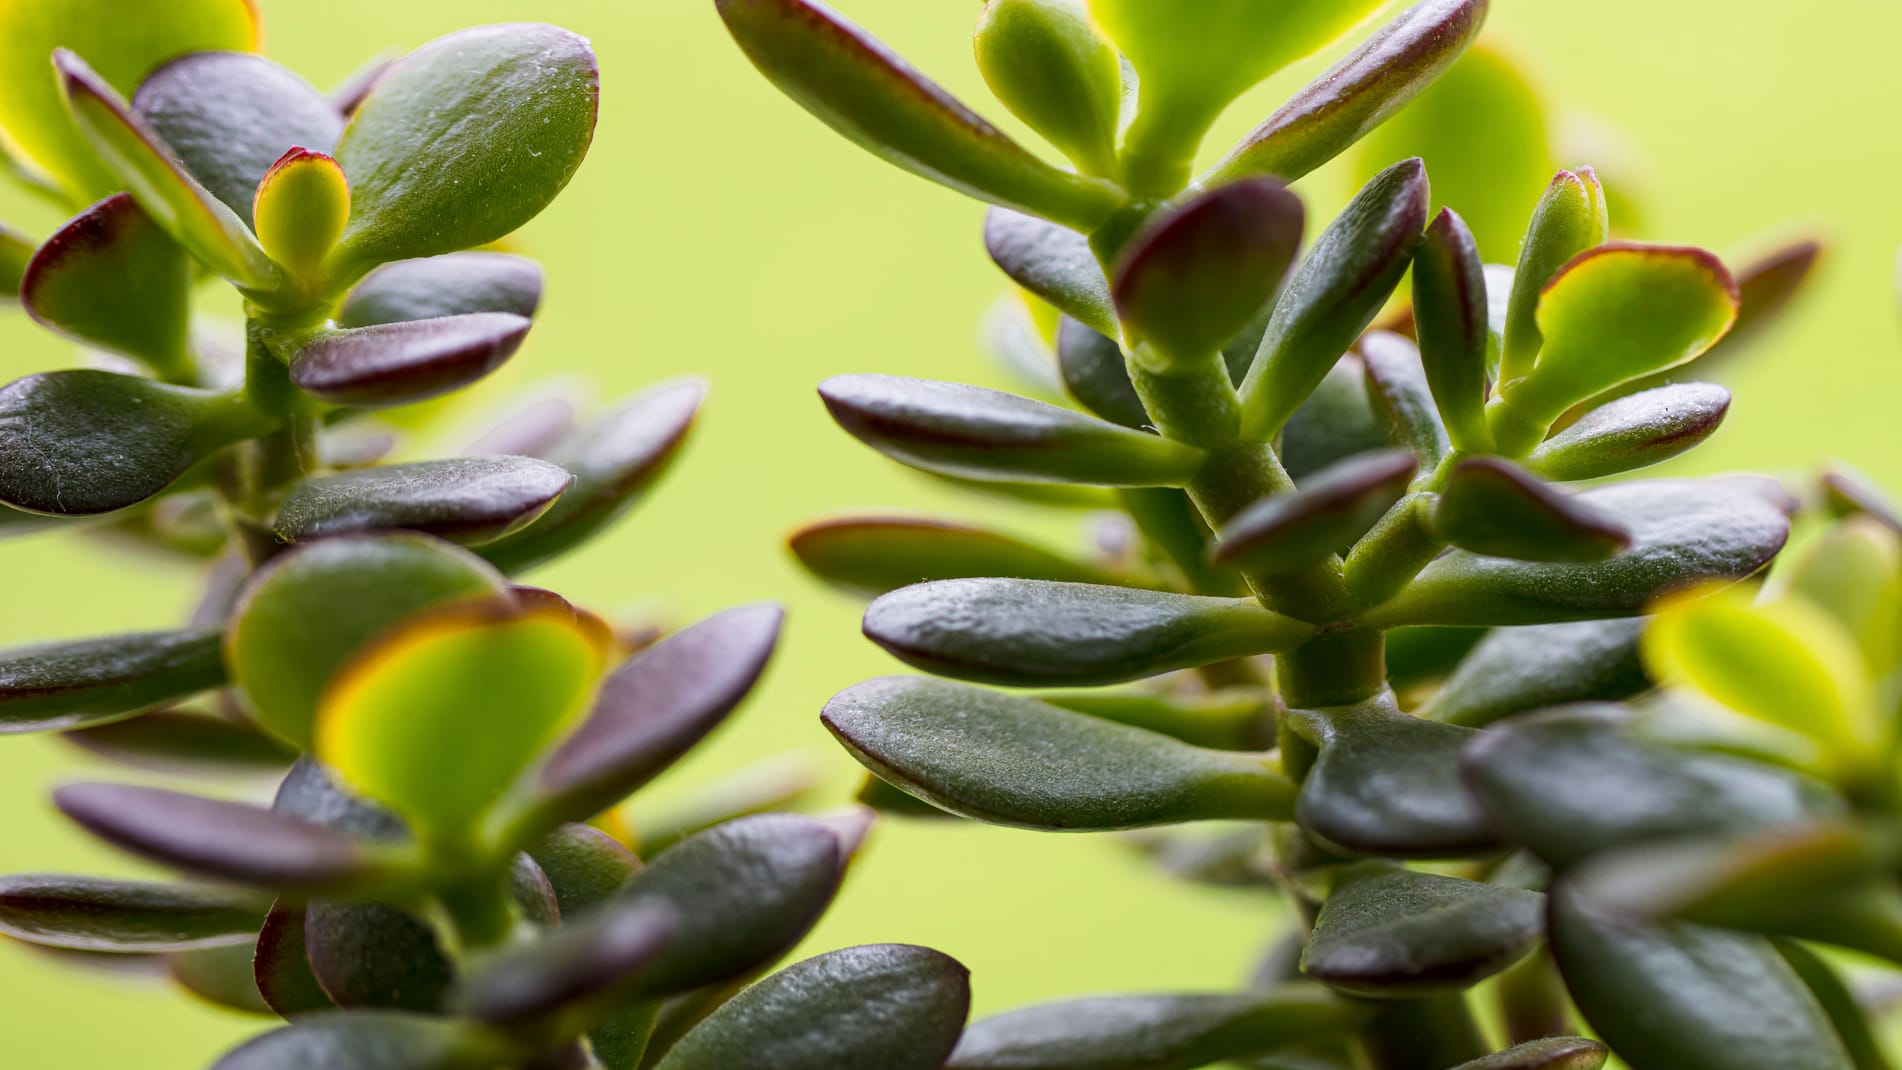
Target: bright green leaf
(1050, 67)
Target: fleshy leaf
(1551, 1053)
(975, 433)
(1514, 670)
(1682, 532)
(1358, 93)
(872, 1007)
(1330, 512)
(301, 617)
(1568, 220)
(584, 865)
(1492, 506)
(1020, 762)
(614, 458)
(464, 140)
(1450, 313)
(1095, 373)
(171, 196)
(1187, 1030)
(399, 363)
(1335, 422)
(469, 500)
(1632, 432)
(1684, 997)
(221, 976)
(873, 555)
(1054, 263)
(585, 962)
(1039, 633)
(1335, 293)
(301, 206)
(376, 956)
(280, 967)
(1767, 286)
(110, 278)
(857, 86)
(453, 284)
(225, 840)
(95, 914)
(438, 715)
(1048, 64)
(367, 1040)
(57, 686)
(228, 116)
(1198, 274)
(1571, 783)
(38, 128)
(79, 443)
(1389, 784)
(176, 741)
(1385, 931)
(1401, 394)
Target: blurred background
(718, 231)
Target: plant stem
(481, 913)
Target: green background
(716, 230)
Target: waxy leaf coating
(974, 433)
(1386, 932)
(1096, 374)
(95, 914)
(1632, 432)
(399, 363)
(857, 86)
(374, 955)
(1568, 220)
(1450, 312)
(1514, 670)
(1492, 506)
(470, 500)
(1160, 1032)
(874, 555)
(873, 1007)
(1048, 64)
(56, 686)
(1053, 262)
(453, 284)
(1330, 512)
(300, 209)
(464, 140)
(1401, 394)
(1389, 784)
(367, 1040)
(1017, 761)
(112, 279)
(1036, 632)
(228, 116)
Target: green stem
(481, 913)
(1430, 1033)
(1388, 558)
(1159, 147)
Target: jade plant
(1363, 538)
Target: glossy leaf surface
(1569, 219)
(1389, 784)
(1386, 931)
(95, 914)
(112, 279)
(453, 284)
(1048, 64)
(1451, 315)
(1401, 394)
(1016, 761)
(1053, 262)
(57, 686)
(1632, 432)
(399, 363)
(1330, 512)
(1492, 506)
(1514, 670)
(469, 500)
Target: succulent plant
(1353, 552)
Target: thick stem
(1159, 147)
(481, 913)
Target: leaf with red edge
(112, 279)
(399, 363)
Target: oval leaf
(1019, 762)
(111, 279)
(470, 500)
(1632, 432)
(1569, 219)
(1053, 262)
(1048, 64)
(175, 741)
(1387, 932)
(1492, 506)
(1451, 316)
(1330, 512)
(57, 686)
(584, 866)
(280, 967)
(373, 955)
(873, 555)
(1514, 670)
(1096, 374)
(94, 914)
(1402, 396)
(453, 284)
(399, 363)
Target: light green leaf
(1569, 219)
(1046, 62)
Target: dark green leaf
(976, 433)
(1330, 512)
(1053, 262)
(1335, 294)
(1571, 783)
(857, 86)
(1417, 656)
(1390, 932)
(469, 500)
(1335, 422)
(1358, 93)
(453, 284)
(225, 840)
(1164, 1032)
(1632, 432)
(1402, 397)
(464, 140)
(92, 681)
(95, 914)
(228, 116)
(1682, 532)
(220, 976)
(873, 555)
(1450, 313)
(584, 865)
(1514, 670)
(399, 363)
(1843, 1005)
(1569, 219)
(1096, 375)
(112, 279)
(1494, 507)
(313, 793)
(1016, 761)
(1684, 997)
(874, 1007)
(1388, 784)
(174, 741)
(586, 961)
(281, 969)
(367, 1040)
(77, 443)
(1039, 633)
(1552, 1053)
(614, 458)
(1199, 273)
(373, 955)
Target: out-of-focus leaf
(1385, 931)
(368, 1040)
(1451, 314)
(1682, 532)
(281, 969)
(1335, 422)
(453, 284)
(110, 278)
(1853, 572)
(1335, 294)
(1402, 396)
(174, 741)
(304, 615)
(400, 363)
(1767, 285)
(1632, 432)
(1845, 1007)
(1330, 512)
(584, 865)
(469, 500)
(1095, 373)
(775, 785)
(220, 976)
(873, 555)
(872, 1007)
(1117, 1032)
(1494, 507)
(73, 684)
(1040, 633)
(16, 252)
(1514, 670)
(1551, 1053)
(376, 956)
(976, 433)
(582, 964)
(1046, 62)
(1569, 219)
(95, 914)
(464, 140)
(857, 86)
(1016, 761)
(1355, 95)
